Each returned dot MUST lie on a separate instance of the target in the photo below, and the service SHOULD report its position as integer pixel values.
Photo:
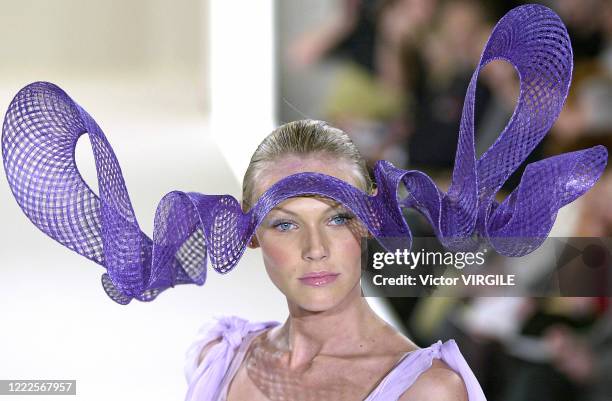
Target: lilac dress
(210, 380)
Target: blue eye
(341, 219)
(283, 226)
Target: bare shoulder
(207, 348)
(438, 383)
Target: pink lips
(318, 279)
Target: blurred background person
(367, 96)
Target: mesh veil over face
(42, 126)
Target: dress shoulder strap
(205, 378)
(417, 362)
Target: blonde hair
(302, 138)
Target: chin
(317, 306)
(323, 298)
(321, 301)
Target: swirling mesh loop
(42, 126)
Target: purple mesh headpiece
(42, 126)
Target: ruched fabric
(205, 378)
(407, 372)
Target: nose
(315, 246)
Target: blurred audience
(585, 359)
(369, 95)
(586, 118)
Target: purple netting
(43, 124)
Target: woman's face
(311, 245)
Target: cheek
(276, 255)
(349, 252)
(348, 248)
(279, 255)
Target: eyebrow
(278, 208)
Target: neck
(351, 325)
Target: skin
(331, 330)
